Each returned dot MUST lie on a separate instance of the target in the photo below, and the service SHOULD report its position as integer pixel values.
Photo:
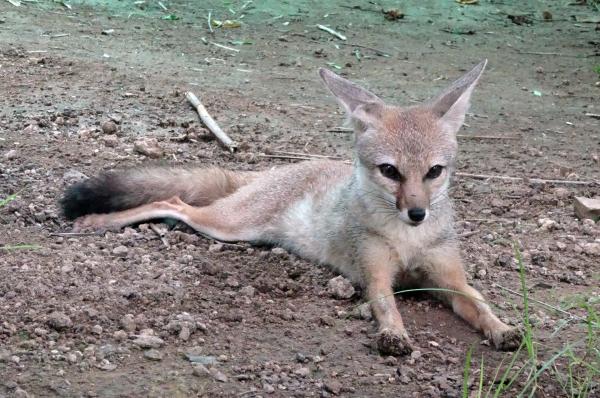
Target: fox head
(405, 155)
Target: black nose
(416, 214)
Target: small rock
(128, 323)
(279, 251)
(201, 359)
(340, 288)
(12, 154)
(20, 393)
(120, 251)
(109, 127)
(97, 329)
(217, 375)
(110, 141)
(587, 207)
(120, 335)
(415, 354)
(546, 224)
(232, 282)
(148, 147)
(106, 365)
(200, 370)
(302, 372)
(184, 333)
(153, 355)
(59, 321)
(215, 247)
(592, 248)
(269, 389)
(146, 341)
(333, 386)
(248, 291)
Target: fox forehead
(408, 137)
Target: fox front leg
(380, 269)
(445, 270)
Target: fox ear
(452, 104)
(350, 95)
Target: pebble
(97, 329)
(184, 333)
(340, 288)
(120, 251)
(128, 323)
(110, 141)
(302, 371)
(148, 147)
(215, 247)
(109, 127)
(333, 386)
(217, 375)
(59, 321)
(120, 335)
(146, 341)
(232, 282)
(592, 248)
(201, 359)
(248, 291)
(106, 365)
(12, 154)
(20, 393)
(153, 355)
(269, 389)
(279, 251)
(200, 370)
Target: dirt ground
(70, 308)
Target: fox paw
(393, 343)
(507, 340)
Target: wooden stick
(523, 179)
(224, 47)
(488, 137)
(210, 123)
(332, 32)
(377, 51)
(312, 155)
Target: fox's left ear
(452, 104)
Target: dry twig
(523, 179)
(210, 123)
(332, 32)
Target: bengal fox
(384, 221)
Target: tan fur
(352, 218)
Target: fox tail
(124, 189)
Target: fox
(382, 221)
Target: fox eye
(390, 172)
(434, 172)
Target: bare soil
(69, 309)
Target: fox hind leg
(206, 220)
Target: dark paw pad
(392, 343)
(508, 340)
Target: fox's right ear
(360, 104)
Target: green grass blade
(5, 201)
(480, 389)
(20, 247)
(467, 370)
